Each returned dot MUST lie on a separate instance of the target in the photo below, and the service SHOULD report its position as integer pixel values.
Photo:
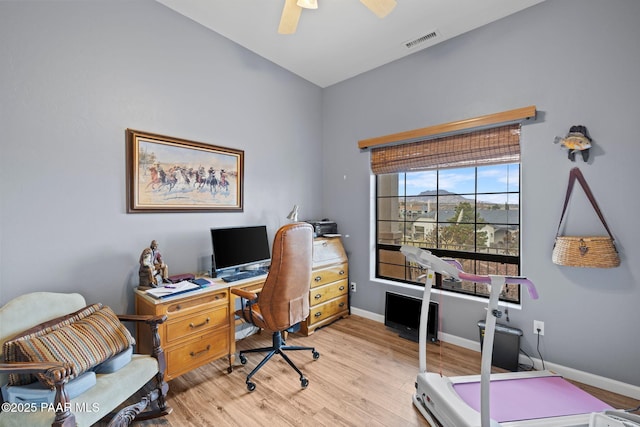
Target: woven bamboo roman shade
(477, 148)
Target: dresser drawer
(199, 323)
(197, 352)
(322, 294)
(329, 274)
(328, 309)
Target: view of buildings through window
(471, 214)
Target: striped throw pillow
(10, 350)
(84, 343)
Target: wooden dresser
(329, 294)
(196, 331)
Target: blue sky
(491, 179)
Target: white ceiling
(342, 38)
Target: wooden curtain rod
(430, 132)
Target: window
(457, 196)
(471, 214)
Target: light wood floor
(364, 377)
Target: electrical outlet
(353, 286)
(538, 327)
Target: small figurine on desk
(152, 265)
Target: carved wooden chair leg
(126, 415)
(64, 417)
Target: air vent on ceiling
(432, 36)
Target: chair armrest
(245, 294)
(59, 373)
(157, 352)
(147, 318)
(153, 322)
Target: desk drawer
(193, 304)
(328, 309)
(330, 274)
(322, 294)
(199, 323)
(197, 352)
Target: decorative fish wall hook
(577, 140)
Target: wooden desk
(200, 326)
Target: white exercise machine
(513, 399)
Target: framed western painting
(166, 174)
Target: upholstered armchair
(83, 360)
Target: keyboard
(244, 275)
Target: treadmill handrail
(443, 266)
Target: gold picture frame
(167, 174)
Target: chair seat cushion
(114, 363)
(84, 343)
(37, 393)
(252, 316)
(98, 401)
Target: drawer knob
(318, 314)
(192, 326)
(325, 244)
(341, 272)
(341, 288)
(341, 305)
(318, 278)
(318, 296)
(198, 353)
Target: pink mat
(530, 398)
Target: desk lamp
(293, 215)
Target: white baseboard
(608, 384)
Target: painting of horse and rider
(172, 175)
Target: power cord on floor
(523, 367)
(538, 348)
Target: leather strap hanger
(577, 174)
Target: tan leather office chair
(284, 300)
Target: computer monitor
(237, 248)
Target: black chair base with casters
(278, 347)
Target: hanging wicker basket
(586, 251)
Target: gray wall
(578, 62)
(73, 76)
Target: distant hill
(451, 199)
(430, 196)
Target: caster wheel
(243, 359)
(304, 382)
(316, 355)
(230, 369)
(251, 386)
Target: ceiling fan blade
(290, 17)
(380, 7)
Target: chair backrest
(284, 299)
(29, 310)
